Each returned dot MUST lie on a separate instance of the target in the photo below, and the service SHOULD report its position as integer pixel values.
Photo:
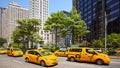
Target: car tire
(8, 54)
(72, 59)
(26, 60)
(12, 55)
(99, 62)
(43, 63)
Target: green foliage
(54, 48)
(84, 43)
(55, 24)
(2, 41)
(77, 26)
(112, 52)
(113, 40)
(45, 46)
(63, 25)
(16, 45)
(37, 38)
(97, 44)
(55, 21)
(27, 30)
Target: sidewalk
(114, 57)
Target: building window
(41, 32)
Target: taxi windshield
(16, 49)
(3, 49)
(45, 53)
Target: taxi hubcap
(26, 60)
(42, 63)
(99, 62)
(72, 59)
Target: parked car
(60, 53)
(14, 52)
(3, 50)
(87, 55)
(98, 50)
(42, 57)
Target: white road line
(17, 61)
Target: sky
(54, 5)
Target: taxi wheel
(12, 54)
(8, 54)
(99, 62)
(26, 60)
(72, 59)
(43, 63)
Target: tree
(55, 22)
(26, 31)
(97, 44)
(2, 41)
(63, 25)
(113, 40)
(77, 26)
(16, 45)
(84, 43)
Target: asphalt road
(18, 62)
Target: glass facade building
(94, 13)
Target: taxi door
(10, 51)
(36, 57)
(62, 53)
(31, 56)
(89, 55)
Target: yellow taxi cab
(3, 50)
(87, 55)
(60, 53)
(42, 57)
(118, 51)
(14, 52)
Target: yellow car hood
(51, 56)
(103, 55)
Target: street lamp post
(105, 31)
(104, 19)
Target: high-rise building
(1, 12)
(39, 9)
(10, 15)
(94, 12)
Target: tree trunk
(32, 44)
(73, 36)
(56, 37)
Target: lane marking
(17, 61)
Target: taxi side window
(90, 51)
(76, 50)
(36, 53)
(62, 51)
(8, 49)
(31, 52)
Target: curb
(114, 57)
